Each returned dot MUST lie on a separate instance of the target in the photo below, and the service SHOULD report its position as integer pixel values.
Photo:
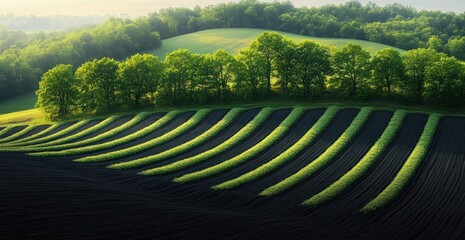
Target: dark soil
(55, 198)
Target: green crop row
(135, 120)
(81, 134)
(97, 147)
(19, 134)
(5, 130)
(213, 131)
(408, 169)
(35, 136)
(243, 133)
(21, 148)
(337, 147)
(17, 147)
(285, 156)
(196, 119)
(268, 141)
(338, 187)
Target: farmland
(293, 172)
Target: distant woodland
(26, 57)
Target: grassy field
(234, 39)
(19, 103)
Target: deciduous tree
(351, 70)
(388, 69)
(139, 75)
(57, 92)
(98, 84)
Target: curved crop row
(244, 132)
(36, 135)
(56, 135)
(363, 165)
(408, 169)
(85, 132)
(135, 120)
(5, 130)
(18, 134)
(269, 140)
(213, 131)
(193, 121)
(97, 147)
(285, 156)
(333, 150)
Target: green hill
(234, 39)
(19, 103)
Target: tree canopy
(394, 24)
(57, 94)
(305, 70)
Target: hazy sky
(142, 7)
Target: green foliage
(388, 69)
(311, 67)
(26, 60)
(435, 43)
(251, 73)
(409, 168)
(265, 143)
(394, 24)
(180, 71)
(196, 119)
(139, 75)
(269, 44)
(51, 151)
(248, 129)
(416, 62)
(215, 75)
(351, 71)
(128, 138)
(98, 85)
(456, 47)
(57, 91)
(445, 82)
(354, 174)
(329, 154)
(402, 33)
(285, 66)
(213, 131)
(285, 156)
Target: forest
(26, 57)
(272, 66)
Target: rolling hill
(234, 39)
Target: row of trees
(394, 24)
(271, 66)
(25, 58)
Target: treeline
(271, 67)
(394, 24)
(24, 58)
